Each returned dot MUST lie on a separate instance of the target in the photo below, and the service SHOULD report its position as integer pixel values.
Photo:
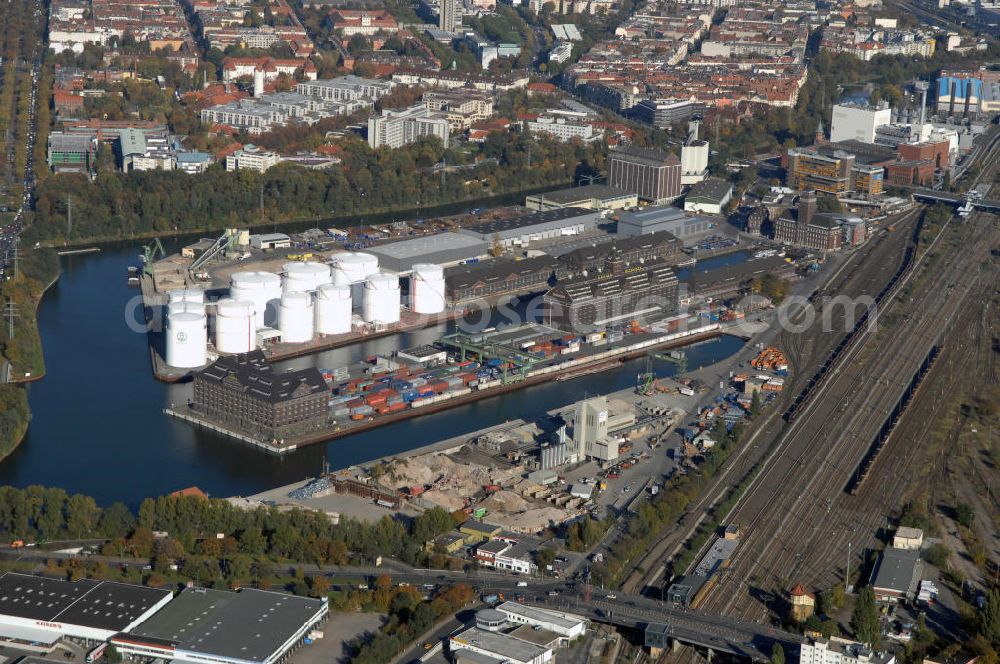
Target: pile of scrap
(770, 359)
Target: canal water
(98, 426)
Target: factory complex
(197, 625)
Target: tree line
(118, 205)
(212, 540)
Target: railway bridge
(711, 633)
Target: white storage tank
(333, 309)
(186, 295)
(187, 339)
(181, 305)
(381, 298)
(295, 320)
(261, 288)
(305, 277)
(351, 269)
(427, 289)
(235, 326)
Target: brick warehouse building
(244, 391)
(619, 294)
(806, 228)
(653, 174)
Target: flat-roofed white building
(840, 651)
(567, 625)
(36, 609)
(501, 647)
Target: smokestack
(922, 87)
(258, 82)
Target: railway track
(797, 518)
(865, 272)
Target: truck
(522, 584)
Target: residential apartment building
(396, 128)
(563, 128)
(836, 650)
(462, 108)
(252, 158)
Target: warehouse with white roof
(40, 610)
(205, 626)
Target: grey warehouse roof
(98, 604)
(501, 226)
(246, 625)
(896, 570)
(591, 191)
(429, 245)
(712, 190)
(254, 374)
(500, 644)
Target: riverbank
(15, 413)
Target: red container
(439, 386)
(396, 407)
(376, 399)
(354, 403)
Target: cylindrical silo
(333, 309)
(427, 289)
(381, 298)
(295, 321)
(186, 295)
(305, 277)
(182, 305)
(351, 269)
(187, 339)
(235, 326)
(261, 288)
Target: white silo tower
(381, 298)
(427, 289)
(261, 288)
(186, 295)
(305, 277)
(295, 321)
(333, 309)
(235, 326)
(351, 269)
(187, 338)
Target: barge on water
(459, 369)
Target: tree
(545, 557)
(112, 655)
(989, 619)
(777, 654)
(938, 555)
(755, 405)
(965, 515)
(865, 620)
(828, 204)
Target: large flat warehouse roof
(502, 226)
(98, 604)
(249, 625)
(439, 248)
